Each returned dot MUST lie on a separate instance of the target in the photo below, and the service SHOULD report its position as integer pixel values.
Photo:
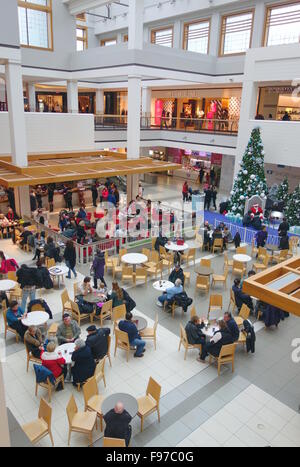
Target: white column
(215, 26)
(22, 201)
(258, 26)
(146, 101)
(4, 429)
(16, 114)
(31, 97)
(72, 96)
(134, 113)
(99, 101)
(132, 187)
(177, 42)
(136, 24)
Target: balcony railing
(197, 125)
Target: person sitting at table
(84, 367)
(121, 297)
(50, 249)
(97, 340)
(14, 317)
(251, 273)
(160, 241)
(117, 422)
(81, 214)
(221, 337)
(24, 236)
(34, 341)
(54, 362)
(43, 277)
(102, 289)
(81, 233)
(84, 289)
(177, 273)
(170, 293)
(134, 337)
(194, 332)
(241, 297)
(284, 243)
(68, 331)
(232, 326)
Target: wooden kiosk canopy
(71, 166)
(278, 286)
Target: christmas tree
(250, 180)
(293, 208)
(283, 192)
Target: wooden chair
(141, 274)
(241, 250)
(118, 313)
(108, 349)
(150, 333)
(37, 307)
(193, 312)
(49, 262)
(6, 326)
(199, 241)
(16, 293)
(243, 315)
(205, 263)
(127, 274)
(76, 289)
(12, 276)
(187, 278)
(79, 317)
(52, 331)
(48, 385)
(154, 259)
(220, 278)
(294, 242)
(227, 262)
(185, 343)
(254, 250)
(80, 422)
(114, 443)
(99, 372)
(227, 355)
(105, 313)
(282, 256)
(122, 252)
(156, 270)
(238, 268)
(122, 342)
(30, 357)
(66, 301)
(162, 252)
(203, 283)
(149, 403)
(215, 303)
(146, 252)
(218, 245)
(257, 267)
(153, 241)
(189, 256)
(117, 267)
(168, 262)
(92, 399)
(41, 427)
(108, 262)
(262, 252)
(232, 302)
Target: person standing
(214, 196)
(98, 267)
(261, 237)
(185, 192)
(70, 258)
(94, 193)
(39, 194)
(201, 175)
(33, 202)
(283, 228)
(207, 199)
(51, 189)
(212, 175)
(26, 278)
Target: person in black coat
(160, 241)
(283, 228)
(70, 258)
(85, 365)
(94, 194)
(221, 337)
(177, 273)
(240, 297)
(284, 243)
(43, 276)
(214, 196)
(237, 240)
(207, 199)
(97, 341)
(117, 422)
(232, 326)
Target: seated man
(194, 332)
(241, 297)
(118, 423)
(85, 365)
(170, 293)
(220, 338)
(14, 317)
(97, 340)
(232, 326)
(177, 273)
(34, 341)
(135, 340)
(68, 331)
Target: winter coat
(33, 342)
(98, 266)
(177, 275)
(250, 336)
(70, 257)
(234, 329)
(8, 265)
(43, 304)
(53, 362)
(61, 332)
(43, 278)
(84, 367)
(26, 276)
(226, 340)
(182, 300)
(193, 332)
(98, 343)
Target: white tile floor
(252, 419)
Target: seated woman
(54, 362)
(14, 317)
(170, 293)
(85, 288)
(221, 337)
(84, 367)
(240, 297)
(121, 297)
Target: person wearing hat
(98, 268)
(68, 331)
(177, 273)
(97, 341)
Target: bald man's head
(119, 408)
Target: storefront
(274, 102)
(116, 102)
(58, 102)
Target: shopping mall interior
(149, 224)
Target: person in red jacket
(54, 362)
(185, 191)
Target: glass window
(236, 33)
(108, 42)
(35, 23)
(162, 37)
(196, 37)
(283, 24)
(81, 38)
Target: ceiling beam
(82, 6)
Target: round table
(130, 403)
(6, 285)
(36, 318)
(94, 297)
(58, 271)
(242, 259)
(209, 332)
(141, 322)
(174, 247)
(134, 259)
(204, 271)
(66, 350)
(162, 286)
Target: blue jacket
(131, 329)
(173, 291)
(12, 318)
(42, 373)
(234, 329)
